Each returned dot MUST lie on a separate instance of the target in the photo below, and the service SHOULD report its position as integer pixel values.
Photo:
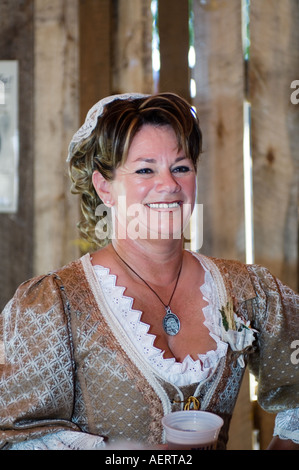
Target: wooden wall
(219, 77)
(223, 83)
(274, 64)
(115, 49)
(74, 52)
(56, 116)
(16, 230)
(42, 36)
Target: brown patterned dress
(69, 366)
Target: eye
(144, 171)
(181, 169)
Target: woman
(103, 348)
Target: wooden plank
(173, 20)
(56, 119)
(132, 46)
(274, 64)
(95, 52)
(16, 230)
(219, 76)
(219, 80)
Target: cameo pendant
(171, 322)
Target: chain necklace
(171, 323)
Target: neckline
(187, 371)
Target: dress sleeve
(37, 371)
(275, 363)
(62, 440)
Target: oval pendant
(171, 323)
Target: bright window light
(191, 57)
(192, 88)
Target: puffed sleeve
(275, 362)
(37, 370)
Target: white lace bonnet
(92, 118)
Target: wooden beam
(56, 119)
(174, 47)
(132, 46)
(95, 52)
(219, 76)
(274, 64)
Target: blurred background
(236, 61)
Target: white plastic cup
(192, 430)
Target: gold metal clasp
(194, 401)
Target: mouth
(164, 205)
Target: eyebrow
(152, 160)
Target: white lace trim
(180, 373)
(287, 425)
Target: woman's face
(153, 192)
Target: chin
(157, 225)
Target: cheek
(139, 189)
(189, 187)
(133, 191)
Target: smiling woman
(100, 350)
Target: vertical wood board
(173, 20)
(274, 64)
(132, 47)
(56, 120)
(219, 76)
(95, 52)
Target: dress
(75, 376)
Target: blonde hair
(108, 144)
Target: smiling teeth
(164, 205)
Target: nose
(168, 183)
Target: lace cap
(92, 117)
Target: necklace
(171, 323)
